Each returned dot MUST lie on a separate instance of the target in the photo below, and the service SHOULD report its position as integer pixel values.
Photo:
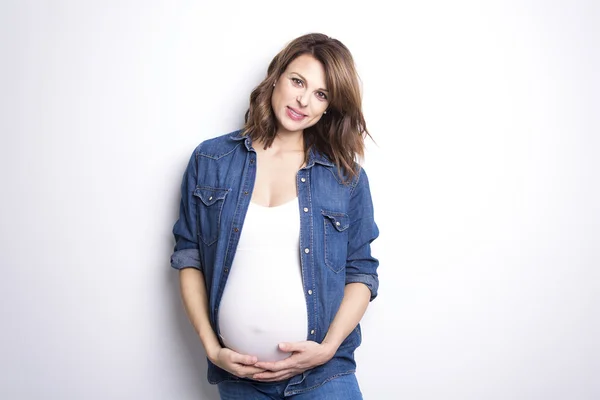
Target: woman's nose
(302, 100)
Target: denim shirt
(336, 229)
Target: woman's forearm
(195, 301)
(353, 307)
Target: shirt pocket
(209, 202)
(336, 239)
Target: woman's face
(300, 95)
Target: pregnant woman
(274, 232)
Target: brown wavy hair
(340, 133)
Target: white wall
(485, 180)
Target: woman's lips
(295, 115)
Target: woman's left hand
(305, 355)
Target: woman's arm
(353, 307)
(195, 301)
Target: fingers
(244, 359)
(235, 357)
(292, 346)
(275, 366)
(241, 365)
(244, 371)
(270, 376)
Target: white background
(485, 177)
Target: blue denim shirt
(336, 229)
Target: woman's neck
(288, 142)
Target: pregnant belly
(259, 311)
(259, 333)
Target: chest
(276, 175)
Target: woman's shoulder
(221, 145)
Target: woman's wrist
(212, 353)
(330, 347)
(211, 344)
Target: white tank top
(263, 303)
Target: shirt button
(305, 209)
(246, 193)
(236, 229)
(309, 291)
(312, 332)
(210, 198)
(303, 179)
(337, 223)
(306, 250)
(252, 161)
(226, 270)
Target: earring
(273, 85)
(324, 112)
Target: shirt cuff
(372, 282)
(186, 258)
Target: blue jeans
(344, 387)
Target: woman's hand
(237, 364)
(305, 355)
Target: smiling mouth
(295, 114)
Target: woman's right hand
(237, 364)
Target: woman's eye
(322, 95)
(297, 81)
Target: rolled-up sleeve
(186, 252)
(361, 266)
